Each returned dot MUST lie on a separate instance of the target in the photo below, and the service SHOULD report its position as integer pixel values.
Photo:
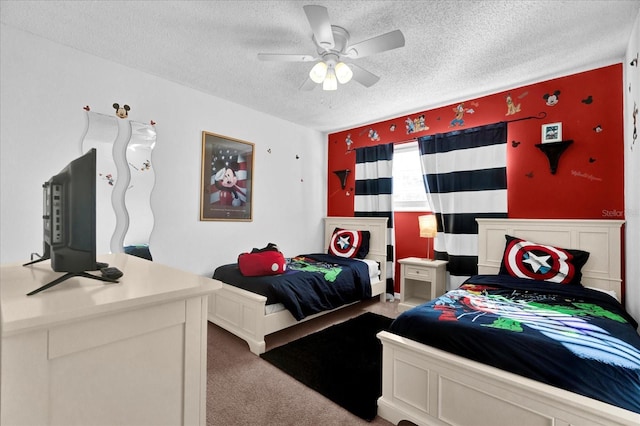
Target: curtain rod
(540, 116)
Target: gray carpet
(244, 389)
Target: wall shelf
(342, 175)
(553, 151)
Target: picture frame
(551, 132)
(226, 191)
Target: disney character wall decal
(122, 111)
(588, 100)
(349, 142)
(512, 107)
(552, 99)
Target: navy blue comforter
(570, 337)
(312, 283)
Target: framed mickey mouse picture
(227, 176)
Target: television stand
(70, 275)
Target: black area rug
(342, 362)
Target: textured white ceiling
(454, 49)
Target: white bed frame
(429, 386)
(243, 313)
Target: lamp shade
(318, 72)
(330, 82)
(428, 226)
(343, 72)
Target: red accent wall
(589, 181)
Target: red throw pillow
(262, 263)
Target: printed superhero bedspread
(567, 336)
(312, 283)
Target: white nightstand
(420, 281)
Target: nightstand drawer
(418, 273)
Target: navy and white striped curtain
(465, 175)
(373, 194)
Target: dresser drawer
(418, 273)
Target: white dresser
(87, 352)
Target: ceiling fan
(333, 47)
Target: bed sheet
(374, 275)
(312, 283)
(574, 338)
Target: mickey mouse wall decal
(122, 112)
(552, 99)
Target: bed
(430, 386)
(249, 316)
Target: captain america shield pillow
(349, 243)
(541, 262)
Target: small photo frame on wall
(551, 132)
(227, 177)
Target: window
(408, 188)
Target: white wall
(43, 89)
(632, 173)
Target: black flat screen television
(69, 221)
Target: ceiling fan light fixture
(343, 72)
(333, 44)
(318, 72)
(330, 82)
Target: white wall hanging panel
(101, 133)
(142, 179)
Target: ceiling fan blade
(318, 17)
(308, 85)
(381, 43)
(285, 57)
(363, 76)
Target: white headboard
(601, 238)
(377, 226)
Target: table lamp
(428, 229)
